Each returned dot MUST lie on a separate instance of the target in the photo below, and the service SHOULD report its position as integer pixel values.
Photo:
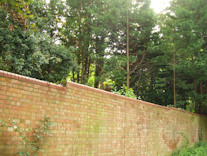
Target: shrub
(199, 149)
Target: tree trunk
(205, 87)
(99, 61)
(86, 66)
(201, 92)
(195, 90)
(73, 75)
(102, 87)
(201, 87)
(128, 83)
(78, 72)
(82, 70)
(96, 75)
(174, 79)
(205, 107)
(88, 71)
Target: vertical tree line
(105, 43)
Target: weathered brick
(13, 81)
(6, 110)
(12, 111)
(25, 92)
(3, 97)
(91, 121)
(23, 108)
(14, 98)
(4, 88)
(14, 90)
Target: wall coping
(69, 83)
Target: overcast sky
(159, 5)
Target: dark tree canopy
(86, 42)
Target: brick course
(93, 122)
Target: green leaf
(31, 16)
(17, 4)
(33, 25)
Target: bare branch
(139, 63)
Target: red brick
(3, 106)
(15, 99)
(4, 88)
(8, 93)
(14, 90)
(15, 81)
(15, 86)
(7, 102)
(25, 92)
(23, 109)
(3, 97)
(20, 95)
(2, 92)
(2, 78)
(14, 111)
(13, 107)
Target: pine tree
(184, 33)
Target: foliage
(30, 145)
(183, 33)
(30, 52)
(98, 30)
(124, 91)
(199, 149)
(17, 11)
(85, 42)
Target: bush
(124, 91)
(199, 149)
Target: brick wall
(92, 122)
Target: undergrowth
(199, 149)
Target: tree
(141, 20)
(77, 32)
(17, 11)
(28, 51)
(184, 30)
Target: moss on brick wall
(93, 122)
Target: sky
(159, 5)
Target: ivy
(31, 146)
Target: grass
(199, 149)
